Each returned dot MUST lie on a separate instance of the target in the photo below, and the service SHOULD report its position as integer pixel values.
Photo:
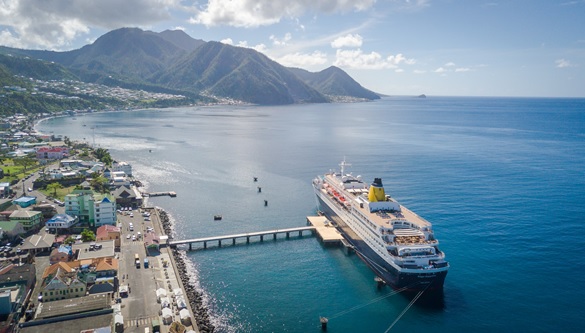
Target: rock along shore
(195, 297)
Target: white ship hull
(372, 248)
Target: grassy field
(61, 193)
(12, 171)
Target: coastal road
(140, 307)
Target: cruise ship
(397, 244)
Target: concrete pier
(171, 194)
(234, 237)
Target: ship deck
(382, 219)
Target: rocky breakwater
(195, 297)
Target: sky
(525, 48)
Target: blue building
(25, 201)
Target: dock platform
(325, 230)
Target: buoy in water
(265, 202)
(259, 189)
(324, 322)
(255, 179)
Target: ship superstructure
(397, 244)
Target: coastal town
(81, 248)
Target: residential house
(61, 222)
(25, 201)
(62, 253)
(122, 166)
(92, 208)
(29, 219)
(52, 153)
(108, 232)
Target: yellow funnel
(377, 191)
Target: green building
(92, 208)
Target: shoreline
(195, 297)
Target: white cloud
(462, 69)
(440, 70)
(348, 40)
(303, 60)
(398, 59)
(450, 64)
(281, 42)
(563, 63)
(357, 59)
(254, 13)
(258, 47)
(228, 41)
(54, 24)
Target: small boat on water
(217, 217)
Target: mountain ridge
(174, 60)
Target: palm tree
(54, 186)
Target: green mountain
(333, 81)
(33, 68)
(173, 62)
(238, 73)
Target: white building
(105, 212)
(122, 166)
(61, 221)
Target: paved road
(140, 307)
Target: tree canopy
(87, 235)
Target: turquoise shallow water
(501, 179)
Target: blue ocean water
(501, 179)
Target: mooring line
(379, 298)
(407, 307)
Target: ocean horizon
(501, 180)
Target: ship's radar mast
(343, 164)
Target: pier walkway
(171, 194)
(260, 234)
